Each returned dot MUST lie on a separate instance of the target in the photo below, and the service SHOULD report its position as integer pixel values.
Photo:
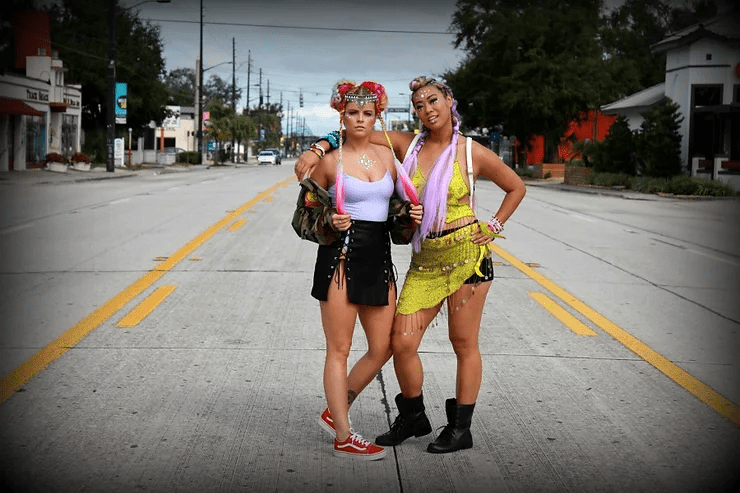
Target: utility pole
(260, 84)
(268, 94)
(199, 132)
(111, 82)
(249, 72)
(233, 94)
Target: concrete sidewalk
(45, 177)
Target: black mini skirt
(368, 270)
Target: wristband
(315, 147)
(495, 225)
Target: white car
(267, 157)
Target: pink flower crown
(341, 95)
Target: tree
(181, 86)
(220, 127)
(243, 130)
(80, 33)
(532, 64)
(217, 88)
(627, 35)
(660, 141)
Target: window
(35, 139)
(69, 134)
(707, 95)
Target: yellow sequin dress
(444, 263)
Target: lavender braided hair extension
(434, 198)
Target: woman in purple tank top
(354, 276)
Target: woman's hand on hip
(480, 238)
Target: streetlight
(111, 82)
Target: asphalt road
(158, 335)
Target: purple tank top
(365, 200)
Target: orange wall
(589, 127)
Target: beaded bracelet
(495, 225)
(318, 150)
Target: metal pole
(233, 93)
(111, 82)
(199, 131)
(249, 72)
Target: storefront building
(39, 114)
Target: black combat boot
(456, 435)
(411, 421)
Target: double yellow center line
(703, 392)
(32, 366)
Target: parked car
(278, 154)
(174, 150)
(267, 157)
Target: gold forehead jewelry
(361, 99)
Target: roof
(9, 106)
(640, 100)
(726, 27)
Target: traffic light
(300, 99)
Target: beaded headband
(361, 100)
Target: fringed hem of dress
(438, 272)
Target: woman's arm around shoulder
(326, 174)
(399, 140)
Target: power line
(277, 26)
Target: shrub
(678, 185)
(659, 143)
(525, 172)
(191, 157)
(80, 157)
(610, 180)
(681, 185)
(575, 163)
(647, 184)
(55, 157)
(616, 153)
(714, 188)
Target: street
(158, 334)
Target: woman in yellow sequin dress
(450, 261)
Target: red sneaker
(327, 423)
(359, 448)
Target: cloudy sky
(307, 46)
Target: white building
(39, 114)
(703, 78)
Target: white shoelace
(357, 438)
